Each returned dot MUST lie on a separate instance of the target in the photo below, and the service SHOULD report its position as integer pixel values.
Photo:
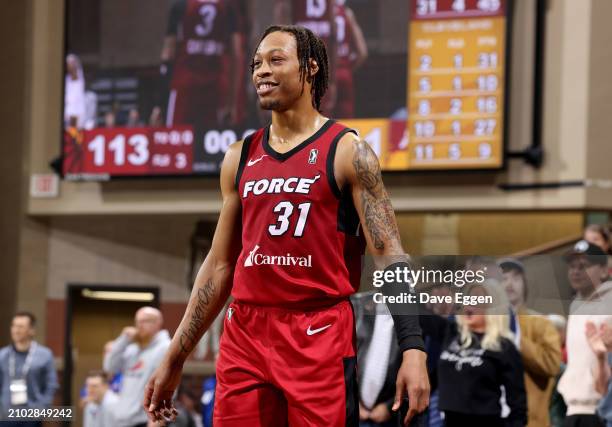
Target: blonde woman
(479, 358)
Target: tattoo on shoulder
(189, 338)
(375, 202)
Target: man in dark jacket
(378, 359)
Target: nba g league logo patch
(312, 158)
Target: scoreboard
(100, 154)
(456, 84)
(451, 117)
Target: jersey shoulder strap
(340, 130)
(244, 154)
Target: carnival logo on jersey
(255, 258)
(312, 157)
(279, 185)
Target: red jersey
(316, 15)
(203, 29)
(301, 244)
(343, 37)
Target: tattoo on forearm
(375, 202)
(188, 338)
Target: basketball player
(203, 47)
(352, 53)
(288, 248)
(318, 17)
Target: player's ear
(313, 68)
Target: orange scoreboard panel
(456, 84)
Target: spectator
(74, 95)
(586, 264)
(599, 235)
(109, 120)
(101, 401)
(600, 340)
(537, 341)
(478, 358)
(136, 353)
(114, 383)
(27, 372)
(133, 120)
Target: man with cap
(592, 306)
(537, 340)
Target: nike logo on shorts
(252, 162)
(316, 331)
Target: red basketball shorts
(280, 367)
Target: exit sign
(44, 185)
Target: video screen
(164, 87)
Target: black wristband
(405, 316)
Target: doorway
(95, 315)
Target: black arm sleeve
(514, 383)
(405, 316)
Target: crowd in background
(501, 364)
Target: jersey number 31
(284, 211)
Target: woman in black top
(478, 358)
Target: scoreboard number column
(456, 84)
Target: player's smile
(265, 87)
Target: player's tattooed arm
(211, 289)
(378, 221)
(213, 282)
(372, 201)
(190, 335)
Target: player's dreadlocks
(308, 46)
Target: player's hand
(364, 414)
(380, 414)
(130, 332)
(412, 382)
(159, 391)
